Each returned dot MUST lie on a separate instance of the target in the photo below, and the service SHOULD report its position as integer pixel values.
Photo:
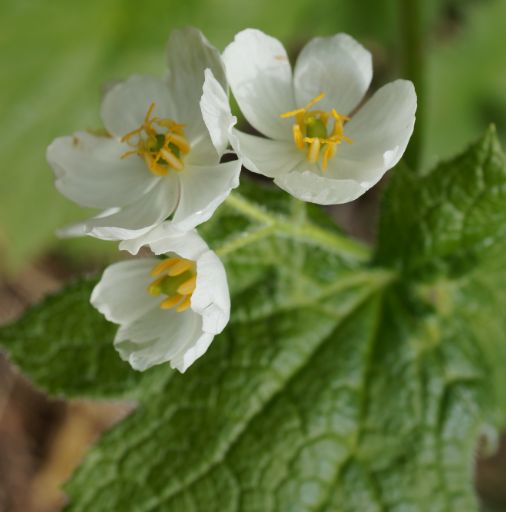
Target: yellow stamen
(176, 278)
(298, 137)
(184, 305)
(315, 100)
(171, 301)
(180, 267)
(171, 159)
(149, 112)
(163, 265)
(188, 286)
(160, 142)
(328, 153)
(313, 152)
(154, 288)
(291, 113)
(302, 110)
(180, 142)
(339, 117)
(129, 153)
(312, 133)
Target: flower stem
(295, 226)
(414, 67)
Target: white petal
(307, 185)
(90, 171)
(189, 354)
(203, 189)
(166, 238)
(211, 297)
(265, 156)
(380, 132)
(121, 294)
(260, 76)
(216, 112)
(157, 337)
(339, 67)
(136, 218)
(189, 54)
(126, 104)
(202, 150)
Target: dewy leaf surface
(337, 386)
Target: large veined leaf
(338, 384)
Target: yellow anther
(184, 305)
(188, 286)
(176, 278)
(302, 110)
(149, 112)
(180, 267)
(292, 113)
(298, 137)
(328, 152)
(180, 142)
(312, 133)
(171, 301)
(171, 159)
(163, 265)
(154, 288)
(313, 152)
(161, 142)
(315, 100)
(339, 117)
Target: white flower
(157, 158)
(168, 309)
(320, 147)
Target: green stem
(340, 244)
(414, 68)
(235, 200)
(296, 227)
(244, 239)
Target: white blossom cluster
(156, 172)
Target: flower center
(314, 132)
(176, 278)
(161, 142)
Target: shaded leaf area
(338, 385)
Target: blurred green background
(57, 56)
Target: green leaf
(445, 221)
(65, 347)
(337, 385)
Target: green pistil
(169, 284)
(316, 128)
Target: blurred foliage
(467, 75)
(59, 56)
